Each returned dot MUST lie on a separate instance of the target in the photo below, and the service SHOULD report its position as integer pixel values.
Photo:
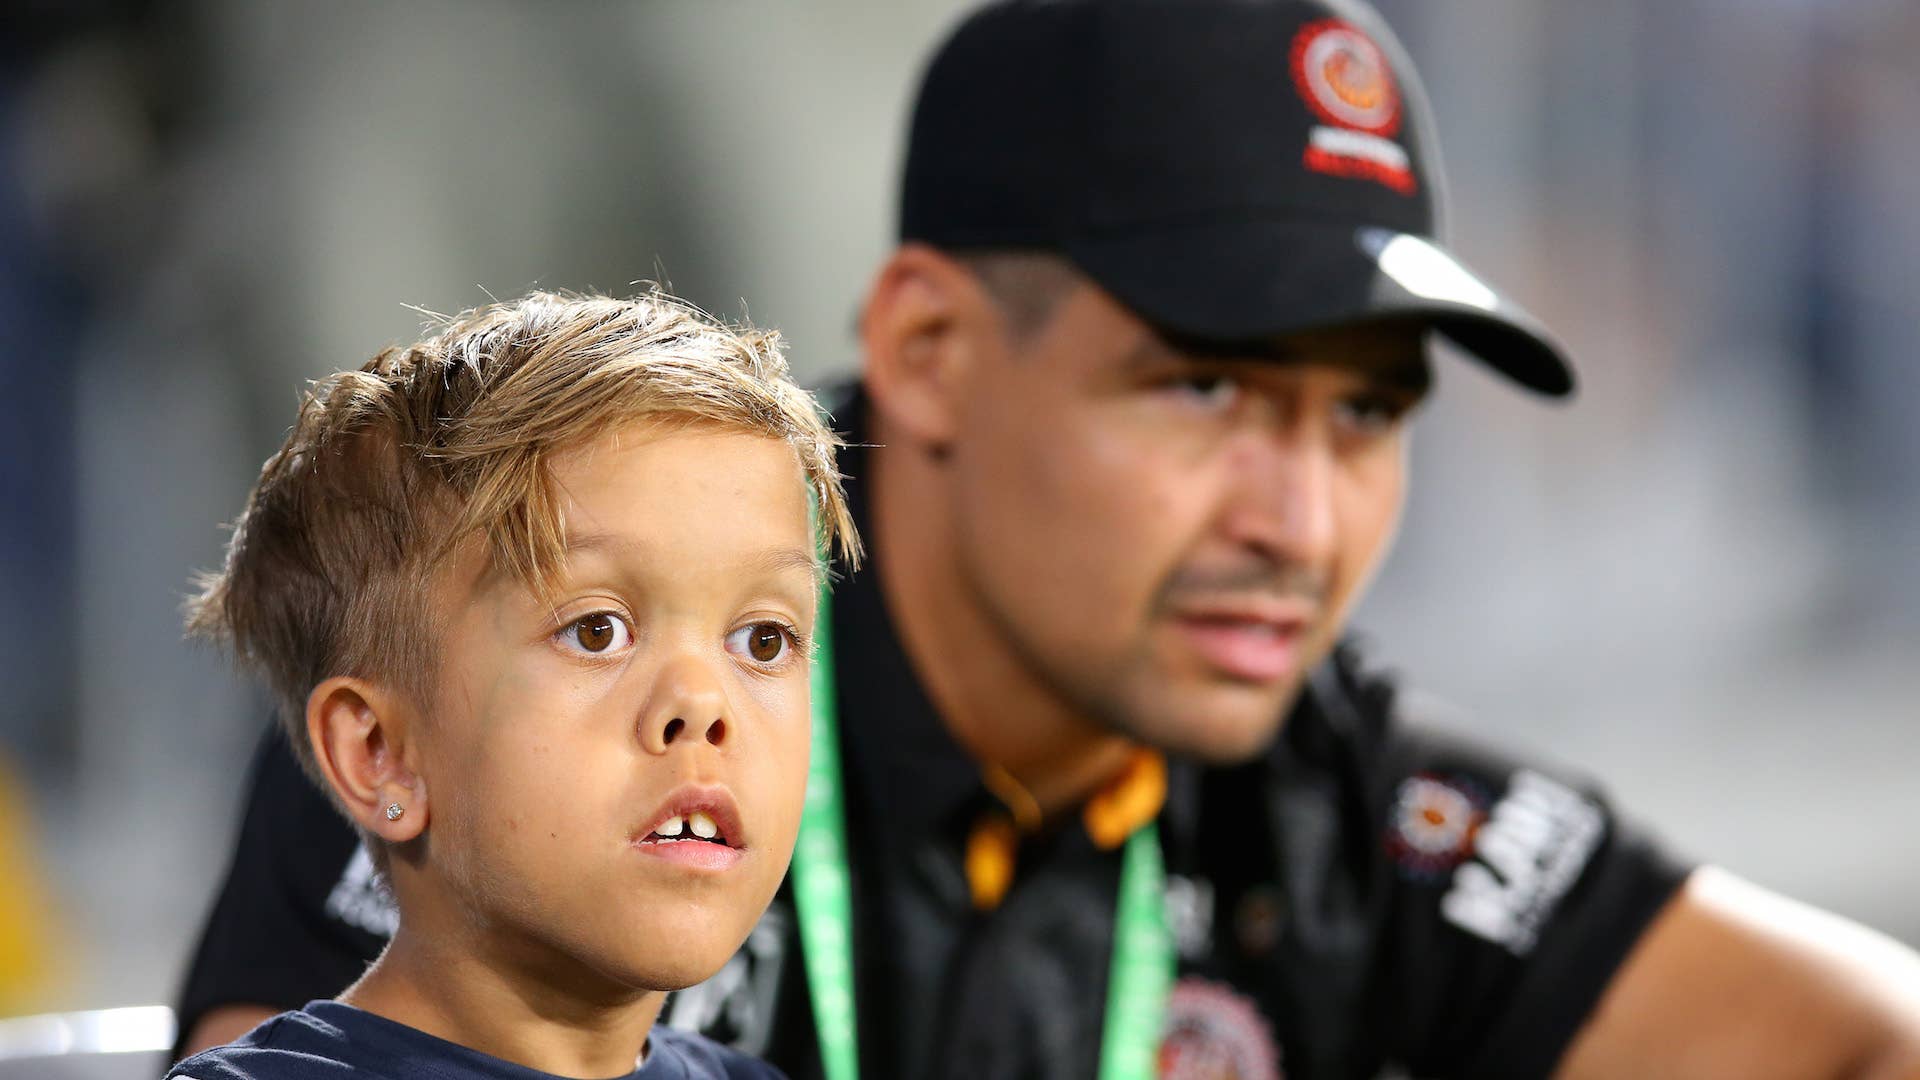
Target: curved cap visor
(1246, 281)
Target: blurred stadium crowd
(1701, 582)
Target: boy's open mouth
(697, 827)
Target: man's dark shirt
(1366, 893)
(328, 1041)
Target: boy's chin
(672, 956)
(675, 968)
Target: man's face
(1171, 541)
(664, 680)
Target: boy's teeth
(697, 825)
(703, 825)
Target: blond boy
(536, 594)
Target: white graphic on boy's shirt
(736, 1005)
(359, 899)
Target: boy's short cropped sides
(389, 468)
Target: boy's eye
(764, 642)
(599, 632)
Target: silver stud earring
(394, 810)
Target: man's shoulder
(704, 1059)
(1395, 750)
(1350, 712)
(1360, 717)
(1479, 896)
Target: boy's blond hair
(390, 467)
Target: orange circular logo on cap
(1344, 77)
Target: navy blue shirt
(328, 1040)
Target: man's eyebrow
(1406, 371)
(1158, 347)
(1151, 350)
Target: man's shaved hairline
(1025, 285)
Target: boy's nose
(687, 703)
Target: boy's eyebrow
(791, 558)
(773, 560)
(576, 543)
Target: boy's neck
(505, 1011)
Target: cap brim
(1243, 282)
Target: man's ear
(359, 734)
(927, 330)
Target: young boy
(536, 594)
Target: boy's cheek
(776, 780)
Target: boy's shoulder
(684, 1055)
(328, 1041)
(290, 1046)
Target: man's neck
(453, 992)
(987, 696)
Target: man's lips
(1255, 640)
(696, 825)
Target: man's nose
(1284, 494)
(688, 703)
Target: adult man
(1137, 378)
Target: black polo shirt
(1367, 894)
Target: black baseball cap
(1232, 170)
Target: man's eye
(1209, 391)
(1372, 414)
(763, 642)
(600, 632)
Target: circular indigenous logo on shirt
(1215, 1033)
(1432, 825)
(1345, 78)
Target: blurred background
(1700, 583)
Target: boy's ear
(925, 330)
(359, 734)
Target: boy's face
(666, 680)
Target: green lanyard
(1143, 956)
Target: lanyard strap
(1141, 972)
(1143, 956)
(822, 892)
